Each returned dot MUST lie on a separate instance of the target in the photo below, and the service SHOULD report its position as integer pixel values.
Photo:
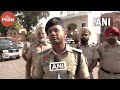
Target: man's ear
(65, 34)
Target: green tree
(29, 19)
(16, 26)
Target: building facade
(20, 35)
(75, 21)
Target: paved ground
(15, 69)
(12, 69)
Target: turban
(113, 30)
(82, 30)
(38, 29)
(54, 21)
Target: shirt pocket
(71, 67)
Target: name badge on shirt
(57, 66)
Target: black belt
(108, 71)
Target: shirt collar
(117, 44)
(84, 46)
(67, 49)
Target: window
(10, 33)
(83, 24)
(3, 44)
(14, 33)
(69, 28)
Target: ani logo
(57, 66)
(102, 21)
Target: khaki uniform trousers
(91, 75)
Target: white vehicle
(8, 49)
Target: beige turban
(83, 29)
(38, 29)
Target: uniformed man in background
(75, 37)
(61, 61)
(31, 40)
(89, 51)
(110, 55)
(35, 49)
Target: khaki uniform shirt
(35, 49)
(90, 52)
(25, 47)
(110, 57)
(69, 56)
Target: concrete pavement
(12, 69)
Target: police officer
(71, 60)
(110, 55)
(89, 51)
(34, 50)
(26, 46)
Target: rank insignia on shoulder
(46, 58)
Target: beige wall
(88, 19)
(76, 20)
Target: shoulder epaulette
(77, 50)
(46, 50)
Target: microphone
(57, 58)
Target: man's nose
(110, 36)
(53, 32)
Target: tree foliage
(29, 19)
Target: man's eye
(56, 30)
